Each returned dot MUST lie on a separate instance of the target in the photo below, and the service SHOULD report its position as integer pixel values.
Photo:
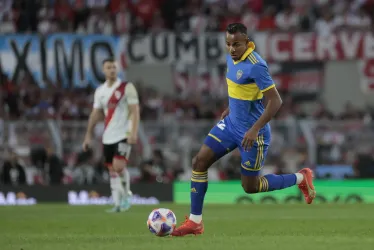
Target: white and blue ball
(161, 222)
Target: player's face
(110, 70)
(236, 44)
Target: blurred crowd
(140, 16)
(25, 99)
(346, 143)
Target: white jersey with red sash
(115, 101)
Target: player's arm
(133, 103)
(267, 87)
(273, 102)
(97, 114)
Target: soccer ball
(161, 222)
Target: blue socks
(273, 182)
(199, 186)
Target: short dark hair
(233, 28)
(110, 59)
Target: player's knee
(199, 164)
(119, 165)
(118, 169)
(250, 188)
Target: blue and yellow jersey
(247, 79)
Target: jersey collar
(251, 48)
(115, 84)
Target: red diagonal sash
(117, 94)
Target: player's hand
(249, 139)
(132, 139)
(86, 143)
(225, 113)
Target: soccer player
(117, 103)
(243, 125)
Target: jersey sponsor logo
(117, 94)
(239, 74)
(193, 190)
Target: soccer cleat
(188, 227)
(114, 210)
(126, 202)
(306, 186)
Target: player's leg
(109, 151)
(217, 144)
(120, 160)
(199, 181)
(252, 182)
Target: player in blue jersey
(244, 125)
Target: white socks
(299, 178)
(125, 178)
(117, 190)
(196, 218)
(120, 186)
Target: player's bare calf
(250, 184)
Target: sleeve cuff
(270, 87)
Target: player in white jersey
(117, 103)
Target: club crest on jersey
(117, 94)
(239, 74)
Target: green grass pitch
(260, 227)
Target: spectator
(287, 19)
(46, 22)
(123, 19)
(364, 20)
(105, 24)
(97, 4)
(11, 97)
(198, 22)
(267, 20)
(144, 10)
(64, 23)
(346, 19)
(7, 24)
(250, 20)
(158, 24)
(5, 7)
(63, 10)
(146, 173)
(326, 24)
(13, 172)
(81, 13)
(55, 167)
(38, 156)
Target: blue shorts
(224, 138)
